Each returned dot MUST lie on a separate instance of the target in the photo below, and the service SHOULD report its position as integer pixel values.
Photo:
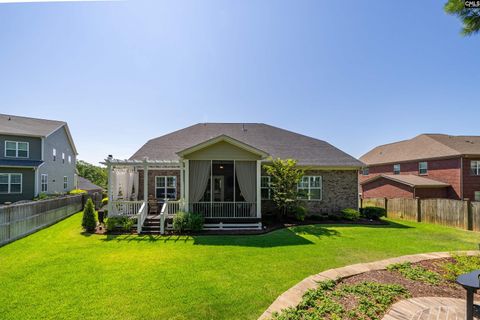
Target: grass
(60, 273)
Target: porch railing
(125, 208)
(142, 215)
(225, 209)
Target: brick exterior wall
(430, 193)
(340, 191)
(384, 188)
(471, 183)
(444, 170)
(151, 181)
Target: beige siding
(222, 151)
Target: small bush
(125, 223)
(300, 213)
(77, 191)
(350, 214)
(42, 196)
(195, 221)
(180, 222)
(89, 221)
(373, 213)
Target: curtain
(135, 184)
(129, 188)
(246, 176)
(198, 181)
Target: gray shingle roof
(279, 143)
(15, 125)
(87, 185)
(424, 146)
(410, 179)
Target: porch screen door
(198, 181)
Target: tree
(89, 222)
(469, 16)
(285, 177)
(96, 174)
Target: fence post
(419, 209)
(467, 205)
(385, 204)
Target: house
(216, 169)
(36, 156)
(426, 166)
(87, 185)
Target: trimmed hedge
(374, 213)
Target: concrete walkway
(293, 296)
(427, 308)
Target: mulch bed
(416, 288)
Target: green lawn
(59, 273)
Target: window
(10, 183)
(310, 188)
(396, 169)
(63, 157)
(365, 171)
(44, 183)
(166, 187)
(54, 154)
(69, 159)
(65, 182)
(475, 167)
(265, 187)
(15, 149)
(477, 195)
(422, 167)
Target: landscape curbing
(293, 296)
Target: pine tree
(89, 221)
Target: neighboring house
(427, 166)
(36, 156)
(216, 169)
(87, 185)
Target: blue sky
(354, 73)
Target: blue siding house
(36, 156)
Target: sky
(355, 73)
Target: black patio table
(471, 283)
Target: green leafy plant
(195, 221)
(284, 176)
(98, 175)
(350, 214)
(180, 222)
(373, 299)
(125, 223)
(77, 191)
(416, 273)
(89, 221)
(461, 264)
(104, 201)
(374, 213)
(300, 213)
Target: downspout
(461, 178)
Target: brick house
(426, 166)
(216, 169)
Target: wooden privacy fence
(454, 213)
(19, 220)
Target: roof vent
(243, 127)
(9, 118)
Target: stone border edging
(293, 296)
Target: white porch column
(187, 181)
(110, 187)
(259, 193)
(145, 181)
(182, 181)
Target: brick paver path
(293, 296)
(427, 308)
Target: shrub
(89, 222)
(119, 222)
(195, 221)
(180, 221)
(350, 214)
(77, 191)
(300, 213)
(42, 196)
(373, 213)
